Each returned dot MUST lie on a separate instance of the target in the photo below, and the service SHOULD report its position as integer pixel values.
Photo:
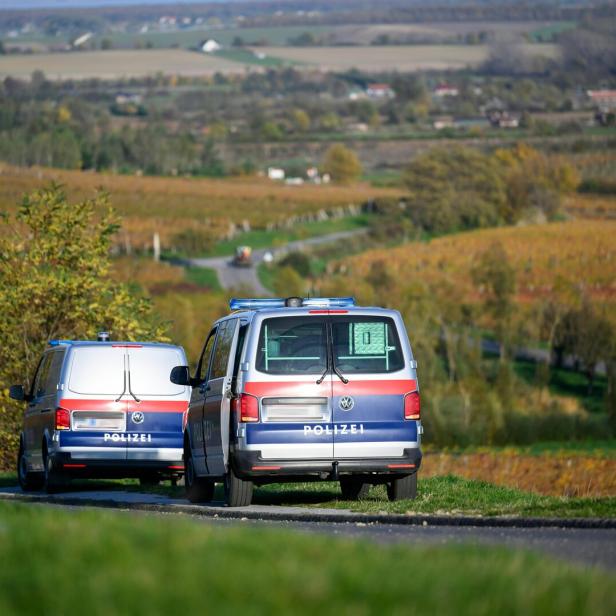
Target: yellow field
(591, 206)
(549, 259)
(115, 64)
(396, 57)
(170, 205)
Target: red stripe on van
(146, 406)
(352, 388)
(287, 388)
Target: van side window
(222, 350)
(204, 360)
(53, 376)
(40, 379)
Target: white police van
(102, 409)
(302, 389)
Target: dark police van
(102, 409)
(303, 389)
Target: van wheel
(238, 493)
(353, 488)
(198, 489)
(53, 480)
(27, 481)
(403, 488)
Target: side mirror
(17, 392)
(180, 375)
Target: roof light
(54, 343)
(103, 337)
(279, 302)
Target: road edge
(311, 516)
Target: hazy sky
(38, 4)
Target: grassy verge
(435, 495)
(116, 563)
(204, 277)
(593, 448)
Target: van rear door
(155, 406)
(293, 385)
(95, 384)
(368, 410)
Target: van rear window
(292, 345)
(97, 370)
(150, 368)
(366, 344)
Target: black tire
(238, 493)
(28, 481)
(198, 489)
(54, 480)
(353, 488)
(403, 488)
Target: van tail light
(412, 406)
(63, 419)
(247, 408)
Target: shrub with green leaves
(55, 283)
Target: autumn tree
(342, 164)
(55, 283)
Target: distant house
(356, 94)
(210, 46)
(445, 89)
(275, 173)
(603, 99)
(82, 40)
(503, 119)
(379, 91)
(442, 122)
(125, 98)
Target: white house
(275, 173)
(210, 46)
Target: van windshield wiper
(130, 391)
(320, 380)
(124, 390)
(340, 375)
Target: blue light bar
(54, 343)
(280, 302)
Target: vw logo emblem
(346, 403)
(137, 417)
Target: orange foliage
(556, 475)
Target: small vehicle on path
(102, 409)
(303, 389)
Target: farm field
(130, 564)
(547, 258)
(114, 64)
(171, 205)
(396, 57)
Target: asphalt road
(586, 546)
(232, 277)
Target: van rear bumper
(84, 466)
(250, 464)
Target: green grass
(247, 57)
(549, 33)
(593, 448)
(204, 277)
(442, 495)
(279, 237)
(70, 562)
(267, 275)
(435, 495)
